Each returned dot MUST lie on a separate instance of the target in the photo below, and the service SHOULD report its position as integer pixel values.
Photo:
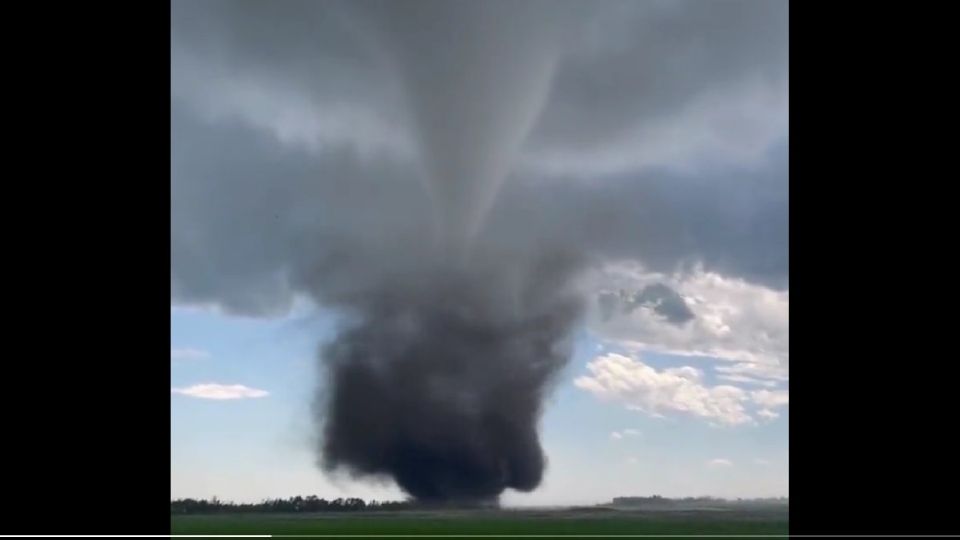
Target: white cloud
(770, 400)
(753, 369)
(188, 354)
(734, 321)
(622, 379)
(220, 391)
(746, 380)
(685, 372)
(767, 414)
(767, 398)
(619, 435)
(762, 462)
(720, 462)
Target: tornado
(438, 378)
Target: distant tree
(296, 504)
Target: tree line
(657, 499)
(291, 505)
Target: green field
(556, 522)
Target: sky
(653, 138)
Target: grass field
(505, 522)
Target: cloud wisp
(217, 391)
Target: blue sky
(254, 448)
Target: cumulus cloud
(220, 391)
(771, 372)
(677, 390)
(770, 399)
(745, 380)
(187, 353)
(768, 414)
(618, 378)
(730, 319)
